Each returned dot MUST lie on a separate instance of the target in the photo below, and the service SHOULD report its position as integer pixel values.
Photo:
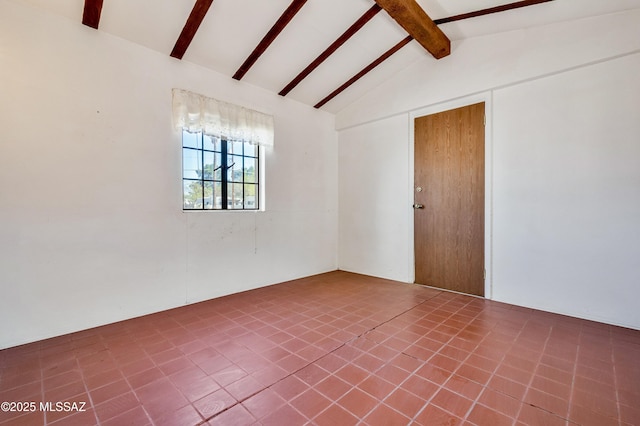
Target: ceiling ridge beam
(91, 13)
(366, 69)
(490, 10)
(271, 35)
(352, 30)
(387, 54)
(415, 21)
(196, 17)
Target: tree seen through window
(219, 174)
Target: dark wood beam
(366, 69)
(366, 17)
(387, 54)
(419, 25)
(490, 10)
(266, 41)
(91, 14)
(198, 13)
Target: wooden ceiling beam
(196, 17)
(419, 25)
(404, 42)
(366, 70)
(266, 41)
(490, 10)
(91, 14)
(366, 17)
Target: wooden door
(449, 200)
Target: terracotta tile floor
(333, 349)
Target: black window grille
(219, 174)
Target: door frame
(487, 98)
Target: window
(219, 174)
(221, 144)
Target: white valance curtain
(198, 113)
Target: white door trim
(487, 98)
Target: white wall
(373, 164)
(91, 226)
(567, 192)
(563, 193)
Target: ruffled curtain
(197, 113)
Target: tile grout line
(396, 387)
(573, 377)
(442, 386)
(615, 377)
(566, 418)
(317, 359)
(44, 416)
(86, 388)
(546, 341)
(132, 389)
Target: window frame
(226, 181)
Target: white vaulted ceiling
(233, 28)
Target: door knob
(418, 206)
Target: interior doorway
(449, 199)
